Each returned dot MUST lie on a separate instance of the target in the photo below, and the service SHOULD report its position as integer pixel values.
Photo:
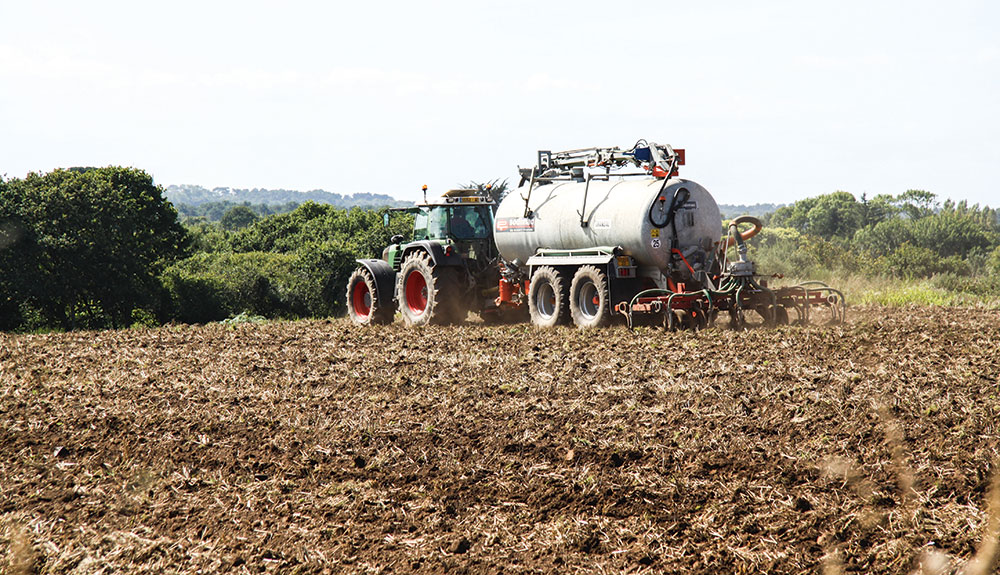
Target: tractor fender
(385, 278)
(436, 251)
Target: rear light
(448, 251)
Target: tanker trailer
(600, 232)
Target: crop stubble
(320, 446)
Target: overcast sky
(773, 101)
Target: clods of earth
(324, 447)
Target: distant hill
(758, 210)
(197, 195)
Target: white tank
(625, 212)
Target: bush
(910, 261)
(993, 262)
(191, 297)
(319, 279)
(309, 282)
(214, 286)
(954, 265)
(289, 265)
(986, 287)
(788, 252)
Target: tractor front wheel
(427, 294)
(364, 304)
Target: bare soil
(322, 447)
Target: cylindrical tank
(622, 212)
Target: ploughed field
(323, 447)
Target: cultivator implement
(787, 305)
(738, 292)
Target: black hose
(679, 199)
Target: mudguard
(385, 278)
(436, 250)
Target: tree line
(94, 248)
(912, 235)
(103, 247)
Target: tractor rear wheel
(364, 304)
(427, 294)
(548, 298)
(588, 298)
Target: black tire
(589, 301)
(364, 304)
(427, 294)
(548, 298)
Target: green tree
(238, 217)
(795, 216)
(836, 215)
(17, 250)
(878, 209)
(916, 204)
(96, 239)
(950, 234)
(206, 236)
(885, 237)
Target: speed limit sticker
(655, 243)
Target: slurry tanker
(590, 236)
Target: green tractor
(450, 267)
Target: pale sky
(773, 101)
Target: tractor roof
(453, 197)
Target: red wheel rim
(416, 292)
(361, 299)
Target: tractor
(449, 267)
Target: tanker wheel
(427, 294)
(364, 304)
(589, 303)
(548, 301)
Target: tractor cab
(463, 222)
(459, 223)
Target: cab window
(420, 225)
(470, 222)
